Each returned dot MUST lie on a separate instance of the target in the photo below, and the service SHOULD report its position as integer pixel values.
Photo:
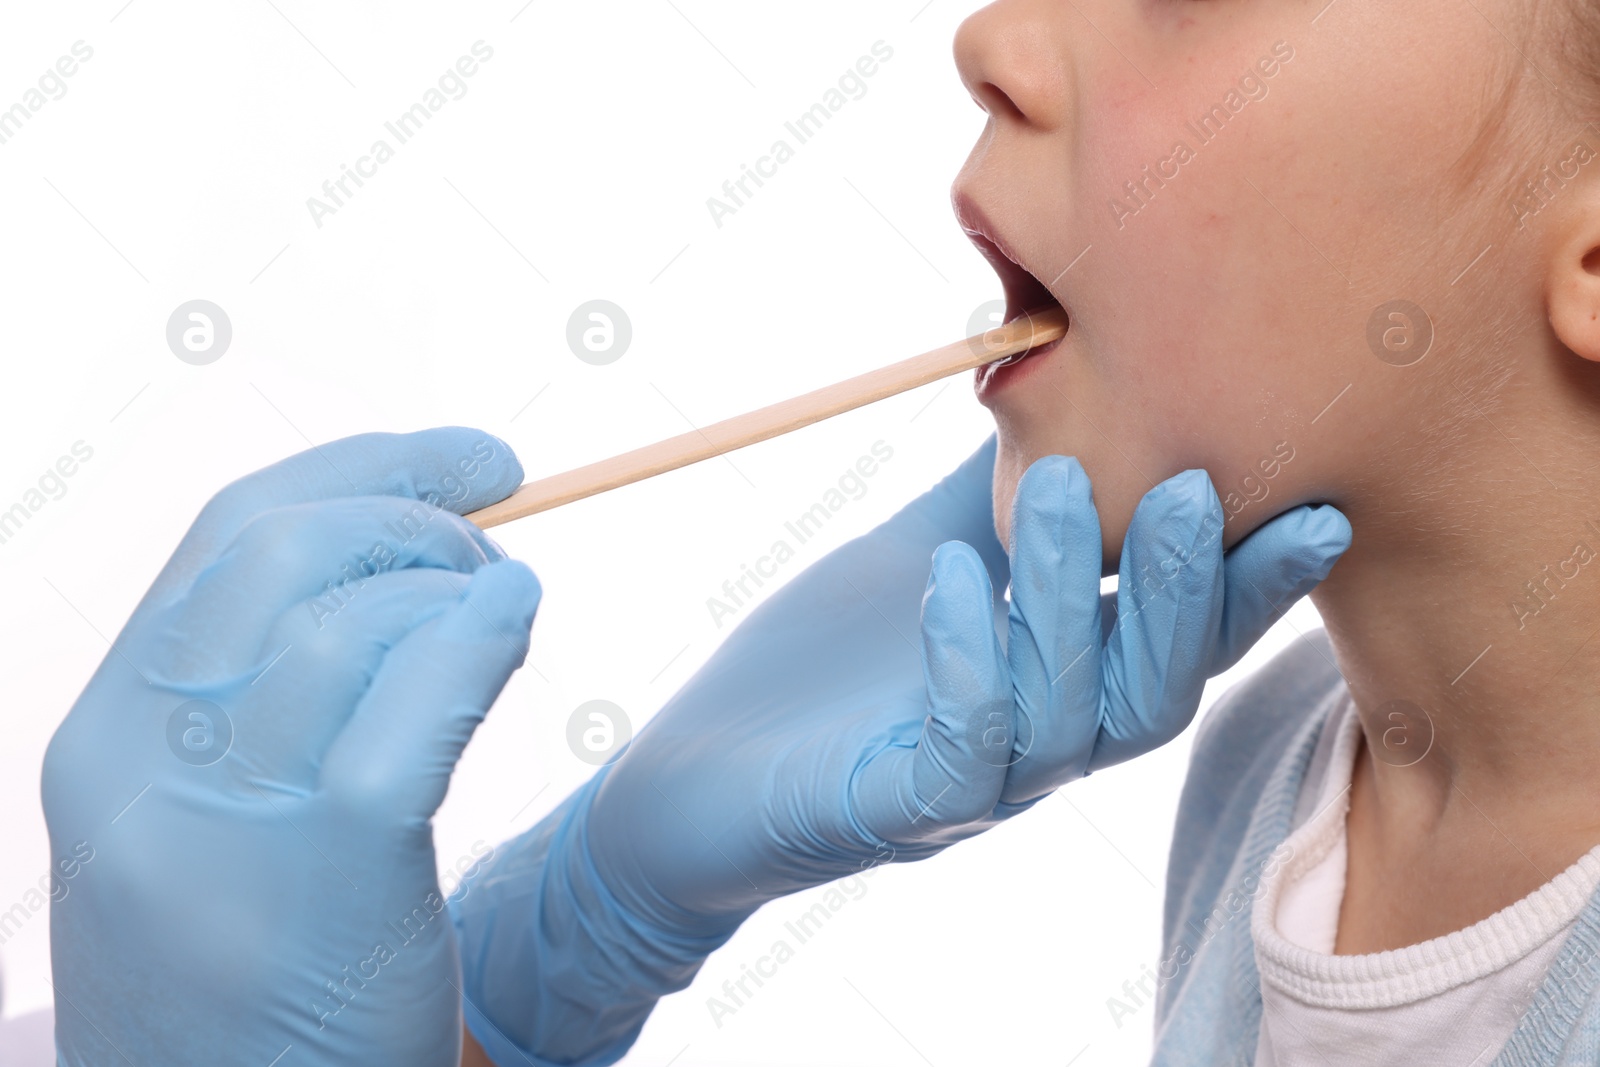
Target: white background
(178, 165)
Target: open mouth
(1025, 293)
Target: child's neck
(1479, 701)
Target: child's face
(1217, 316)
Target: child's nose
(1015, 59)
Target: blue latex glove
(868, 712)
(260, 879)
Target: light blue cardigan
(1250, 755)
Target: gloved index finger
(955, 773)
(455, 467)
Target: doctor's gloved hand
(253, 768)
(880, 707)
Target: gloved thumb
(397, 752)
(955, 773)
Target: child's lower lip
(993, 377)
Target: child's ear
(1572, 284)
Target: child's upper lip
(1024, 291)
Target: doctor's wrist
(556, 968)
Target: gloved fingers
(284, 718)
(320, 553)
(1054, 627)
(1272, 568)
(455, 467)
(955, 773)
(1169, 612)
(393, 759)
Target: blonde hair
(1551, 67)
(1580, 52)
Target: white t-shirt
(1453, 1001)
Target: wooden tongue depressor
(1026, 332)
